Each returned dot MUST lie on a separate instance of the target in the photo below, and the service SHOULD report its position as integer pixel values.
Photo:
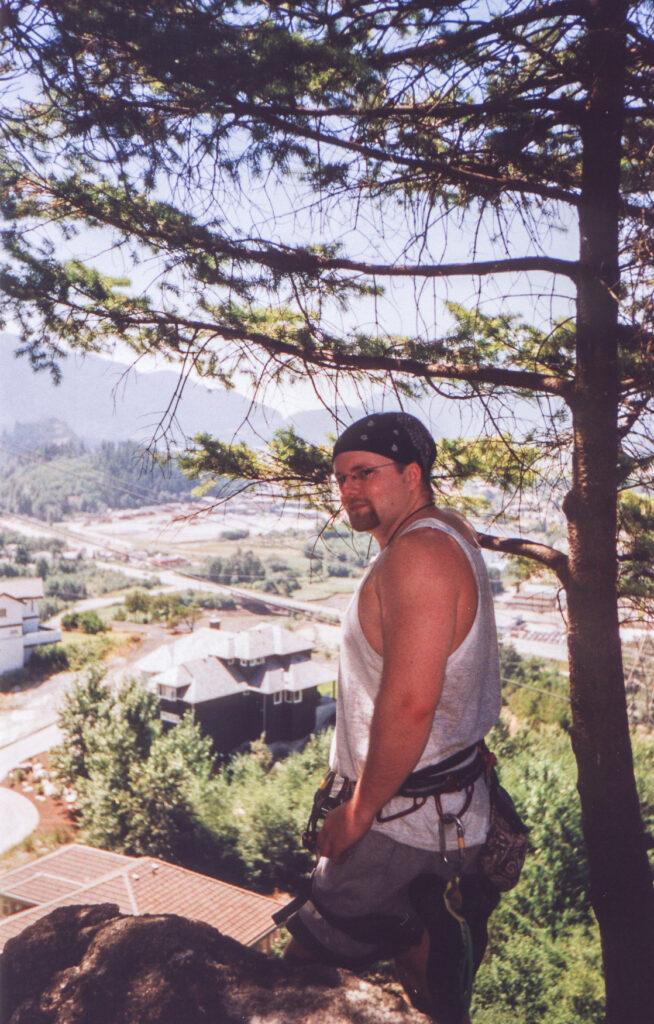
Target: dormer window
(167, 692)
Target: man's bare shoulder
(423, 553)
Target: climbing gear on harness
(323, 802)
(503, 854)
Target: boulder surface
(94, 965)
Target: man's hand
(342, 829)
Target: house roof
(13, 605)
(262, 641)
(267, 639)
(202, 679)
(203, 643)
(22, 588)
(304, 674)
(210, 678)
(77, 874)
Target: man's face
(371, 487)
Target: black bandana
(397, 435)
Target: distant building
(169, 561)
(77, 874)
(239, 685)
(20, 629)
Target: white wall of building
(21, 632)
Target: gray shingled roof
(262, 641)
(209, 678)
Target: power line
(536, 689)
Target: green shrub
(65, 586)
(84, 651)
(221, 602)
(49, 658)
(49, 606)
(234, 534)
(90, 622)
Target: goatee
(363, 518)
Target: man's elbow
(418, 711)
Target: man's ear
(414, 474)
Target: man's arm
(419, 587)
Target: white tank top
(468, 708)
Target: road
(19, 818)
(170, 578)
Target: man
(418, 685)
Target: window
(278, 697)
(168, 716)
(3, 613)
(292, 697)
(169, 692)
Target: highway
(171, 578)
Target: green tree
(534, 689)
(42, 568)
(413, 116)
(21, 556)
(241, 567)
(137, 785)
(137, 601)
(256, 811)
(85, 706)
(64, 586)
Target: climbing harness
(432, 781)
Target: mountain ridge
(102, 400)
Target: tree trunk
(621, 888)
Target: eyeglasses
(359, 476)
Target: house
(77, 874)
(240, 685)
(169, 561)
(20, 629)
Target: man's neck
(386, 532)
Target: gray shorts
(361, 910)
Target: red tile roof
(139, 885)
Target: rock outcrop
(93, 965)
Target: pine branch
(451, 43)
(291, 260)
(545, 555)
